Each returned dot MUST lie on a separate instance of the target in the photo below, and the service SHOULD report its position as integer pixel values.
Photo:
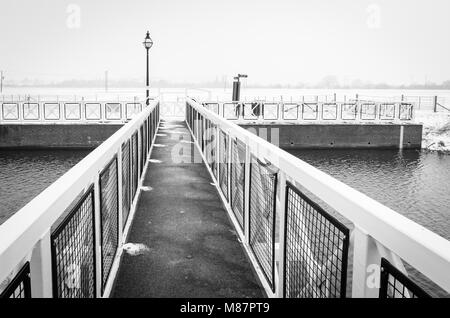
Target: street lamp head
(148, 42)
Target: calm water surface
(413, 183)
(25, 173)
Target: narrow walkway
(193, 248)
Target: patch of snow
(436, 130)
(154, 160)
(135, 249)
(145, 188)
(159, 145)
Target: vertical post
(247, 193)
(218, 155)
(280, 110)
(98, 243)
(229, 160)
(41, 268)
(147, 82)
(435, 103)
(120, 195)
(366, 260)
(279, 251)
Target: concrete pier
(55, 135)
(339, 135)
(193, 249)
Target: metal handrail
(26, 234)
(378, 230)
(82, 117)
(397, 111)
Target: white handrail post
(279, 251)
(366, 260)
(217, 140)
(41, 268)
(280, 110)
(119, 194)
(229, 167)
(247, 193)
(98, 243)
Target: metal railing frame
(319, 111)
(379, 232)
(124, 114)
(26, 235)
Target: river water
(411, 182)
(25, 173)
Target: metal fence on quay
(67, 242)
(68, 112)
(301, 228)
(351, 111)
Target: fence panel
(237, 179)
(73, 251)
(263, 188)
(93, 111)
(126, 182)
(30, 111)
(134, 165)
(10, 111)
(270, 111)
(223, 163)
(309, 111)
(395, 284)
(387, 111)
(290, 111)
(316, 250)
(109, 220)
(20, 286)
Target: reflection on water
(413, 183)
(26, 173)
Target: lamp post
(147, 44)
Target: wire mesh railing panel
(263, 188)
(113, 111)
(395, 284)
(19, 287)
(349, 111)
(109, 212)
(329, 111)
(231, 110)
(126, 182)
(290, 111)
(73, 251)
(223, 163)
(214, 167)
(406, 111)
(387, 111)
(368, 111)
(134, 165)
(270, 111)
(31, 111)
(316, 250)
(310, 111)
(252, 110)
(237, 180)
(141, 150)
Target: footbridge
(199, 206)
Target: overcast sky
(274, 41)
